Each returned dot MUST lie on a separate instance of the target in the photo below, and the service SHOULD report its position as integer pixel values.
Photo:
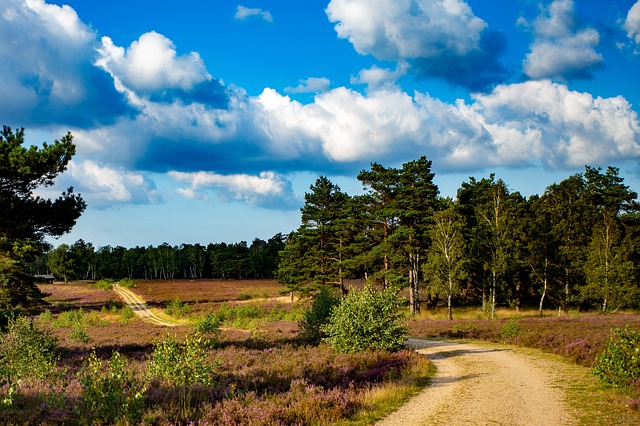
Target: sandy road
(139, 306)
(477, 385)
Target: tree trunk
(494, 278)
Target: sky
(207, 121)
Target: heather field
(260, 372)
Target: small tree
(318, 314)
(26, 353)
(367, 319)
(112, 392)
(182, 366)
(446, 261)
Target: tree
(27, 219)
(315, 254)
(62, 263)
(445, 267)
(365, 320)
(608, 271)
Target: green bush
(126, 314)
(182, 366)
(112, 393)
(26, 353)
(79, 333)
(619, 363)
(105, 284)
(177, 308)
(209, 324)
(318, 314)
(128, 283)
(366, 319)
(510, 329)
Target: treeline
(575, 245)
(82, 261)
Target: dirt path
(139, 306)
(476, 385)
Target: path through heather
(482, 385)
(139, 306)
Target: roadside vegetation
(232, 362)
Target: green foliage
(79, 333)
(366, 319)
(510, 329)
(126, 314)
(177, 308)
(318, 314)
(27, 219)
(26, 353)
(105, 284)
(209, 324)
(619, 363)
(182, 366)
(128, 283)
(112, 393)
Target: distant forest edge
(82, 261)
(578, 244)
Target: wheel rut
(484, 385)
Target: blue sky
(206, 121)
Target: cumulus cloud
(150, 67)
(632, 23)
(267, 190)
(378, 78)
(243, 13)
(102, 186)
(442, 38)
(310, 85)
(46, 76)
(560, 52)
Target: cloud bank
(146, 108)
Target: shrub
(366, 319)
(210, 324)
(79, 334)
(105, 284)
(111, 393)
(126, 314)
(182, 366)
(318, 314)
(510, 329)
(127, 283)
(177, 308)
(26, 353)
(619, 363)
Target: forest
(82, 261)
(574, 245)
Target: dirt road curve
(139, 307)
(478, 385)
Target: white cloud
(243, 13)
(151, 63)
(378, 78)
(632, 23)
(45, 72)
(558, 52)
(102, 186)
(267, 189)
(403, 29)
(310, 85)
